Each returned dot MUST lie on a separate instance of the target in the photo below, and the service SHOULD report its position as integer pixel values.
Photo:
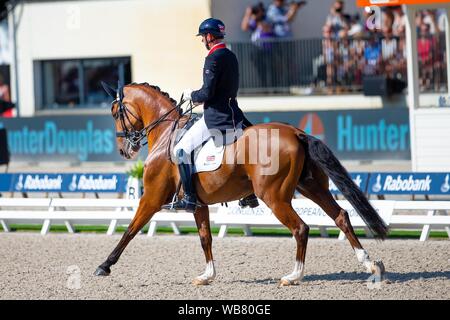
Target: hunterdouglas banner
(352, 134)
(64, 138)
(67, 182)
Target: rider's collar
(217, 46)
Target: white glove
(187, 94)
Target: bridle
(135, 136)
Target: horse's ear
(109, 90)
(119, 90)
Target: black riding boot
(251, 201)
(189, 201)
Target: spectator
(424, 50)
(372, 56)
(329, 52)
(336, 21)
(441, 19)
(281, 16)
(399, 60)
(399, 24)
(387, 19)
(356, 29)
(424, 43)
(429, 17)
(344, 61)
(388, 44)
(261, 55)
(357, 46)
(255, 20)
(389, 48)
(419, 21)
(397, 63)
(5, 97)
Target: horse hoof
(378, 269)
(285, 283)
(102, 272)
(200, 282)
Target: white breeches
(194, 137)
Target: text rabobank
(377, 136)
(51, 140)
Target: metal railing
(318, 66)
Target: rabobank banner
(360, 178)
(409, 183)
(67, 182)
(64, 138)
(352, 134)
(383, 183)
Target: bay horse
(304, 164)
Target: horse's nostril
(121, 152)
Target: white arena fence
(415, 215)
(420, 215)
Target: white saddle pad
(209, 157)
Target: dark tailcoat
(219, 91)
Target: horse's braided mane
(165, 94)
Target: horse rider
(221, 112)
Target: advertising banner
(62, 138)
(351, 134)
(375, 183)
(307, 210)
(360, 178)
(67, 182)
(409, 183)
(363, 3)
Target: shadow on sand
(359, 277)
(391, 276)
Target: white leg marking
(209, 274)
(296, 275)
(363, 257)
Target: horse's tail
(327, 161)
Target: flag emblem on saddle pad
(210, 158)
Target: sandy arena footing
(61, 266)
